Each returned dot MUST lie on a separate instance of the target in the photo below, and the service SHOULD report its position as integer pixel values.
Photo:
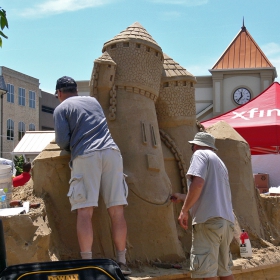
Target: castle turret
(102, 84)
(177, 122)
(139, 60)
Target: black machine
(95, 269)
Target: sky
(48, 39)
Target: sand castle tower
(129, 105)
(175, 109)
(102, 83)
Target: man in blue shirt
(96, 166)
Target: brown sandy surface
(265, 254)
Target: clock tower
(240, 74)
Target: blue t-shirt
(81, 127)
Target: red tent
(257, 121)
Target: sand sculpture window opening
(191, 84)
(138, 46)
(154, 139)
(126, 45)
(111, 78)
(144, 135)
(156, 53)
(114, 46)
(166, 84)
(176, 83)
(148, 49)
(184, 83)
(109, 65)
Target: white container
(245, 245)
(6, 178)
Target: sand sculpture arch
(178, 156)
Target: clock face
(241, 96)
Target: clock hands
(241, 95)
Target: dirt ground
(265, 254)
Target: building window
(10, 93)
(10, 129)
(21, 130)
(21, 96)
(32, 99)
(47, 109)
(47, 128)
(31, 127)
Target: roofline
(40, 131)
(246, 69)
(243, 29)
(26, 153)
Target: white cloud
(271, 49)
(170, 15)
(182, 2)
(51, 7)
(199, 70)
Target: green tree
(3, 24)
(18, 161)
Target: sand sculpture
(149, 102)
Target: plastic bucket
(6, 182)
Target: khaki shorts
(100, 171)
(210, 253)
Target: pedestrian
(24, 177)
(209, 202)
(96, 166)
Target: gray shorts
(100, 171)
(210, 253)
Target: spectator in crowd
(24, 177)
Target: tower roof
(135, 32)
(173, 69)
(105, 58)
(243, 52)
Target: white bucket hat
(204, 139)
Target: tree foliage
(3, 24)
(19, 161)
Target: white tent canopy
(33, 143)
